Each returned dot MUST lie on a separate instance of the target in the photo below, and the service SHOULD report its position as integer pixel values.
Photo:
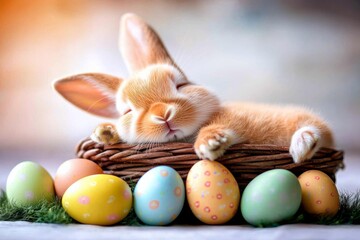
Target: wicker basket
(245, 161)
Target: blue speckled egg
(159, 196)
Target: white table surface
(26, 230)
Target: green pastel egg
(28, 183)
(271, 197)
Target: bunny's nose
(162, 112)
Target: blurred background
(283, 52)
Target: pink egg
(72, 170)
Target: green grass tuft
(44, 212)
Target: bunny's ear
(140, 45)
(92, 92)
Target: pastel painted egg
(100, 199)
(271, 197)
(319, 193)
(212, 192)
(29, 183)
(159, 196)
(72, 170)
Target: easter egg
(100, 199)
(319, 194)
(29, 183)
(212, 192)
(159, 196)
(271, 197)
(72, 170)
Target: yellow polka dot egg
(212, 192)
(159, 196)
(99, 199)
(319, 194)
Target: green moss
(52, 212)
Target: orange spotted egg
(212, 192)
(319, 193)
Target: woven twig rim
(245, 161)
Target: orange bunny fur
(158, 104)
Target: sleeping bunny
(157, 103)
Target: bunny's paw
(304, 143)
(212, 142)
(105, 133)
